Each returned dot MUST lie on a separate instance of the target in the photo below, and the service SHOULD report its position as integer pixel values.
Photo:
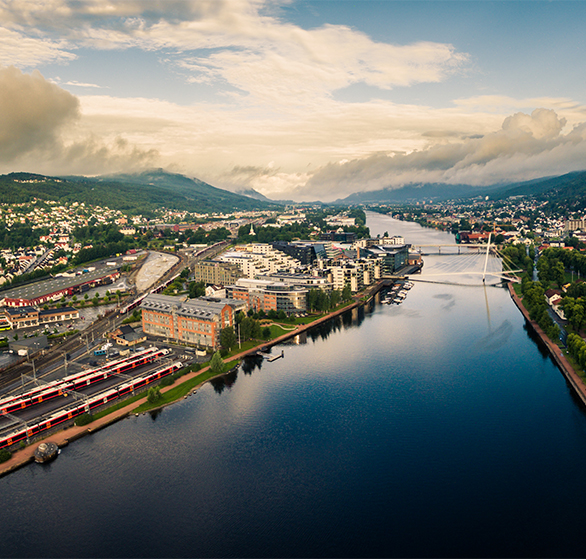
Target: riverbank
(575, 381)
(22, 457)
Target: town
(89, 289)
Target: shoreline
(63, 438)
(573, 379)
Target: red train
(80, 380)
(56, 418)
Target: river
(435, 428)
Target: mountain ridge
(140, 193)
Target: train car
(46, 423)
(132, 305)
(80, 380)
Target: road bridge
(477, 246)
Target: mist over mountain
(569, 189)
(418, 193)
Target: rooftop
(45, 287)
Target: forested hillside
(134, 194)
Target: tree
(216, 363)
(246, 328)
(266, 333)
(227, 337)
(335, 297)
(346, 293)
(154, 395)
(197, 289)
(558, 273)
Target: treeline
(247, 328)
(552, 268)
(516, 257)
(200, 235)
(100, 251)
(319, 300)
(574, 311)
(535, 303)
(20, 235)
(572, 260)
(577, 348)
(104, 233)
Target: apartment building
(267, 295)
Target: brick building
(195, 321)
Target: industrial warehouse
(38, 293)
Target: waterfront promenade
(64, 437)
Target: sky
(299, 100)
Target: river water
(438, 427)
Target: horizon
(300, 100)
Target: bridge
(459, 246)
(503, 275)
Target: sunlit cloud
(38, 130)
(81, 84)
(273, 119)
(526, 146)
(19, 50)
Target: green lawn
(181, 389)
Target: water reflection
(250, 363)
(297, 340)
(225, 381)
(154, 414)
(535, 338)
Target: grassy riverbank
(176, 392)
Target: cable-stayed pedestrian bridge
(468, 268)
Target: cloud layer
(38, 122)
(526, 147)
(282, 114)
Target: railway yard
(52, 405)
(76, 376)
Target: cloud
(33, 113)
(81, 84)
(236, 42)
(18, 49)
(35, 118)
(526, 146)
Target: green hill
(568, 190)
(140, 193)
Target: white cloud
(526, 146)
(234, 42)
(18, 49)
(81, 84)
